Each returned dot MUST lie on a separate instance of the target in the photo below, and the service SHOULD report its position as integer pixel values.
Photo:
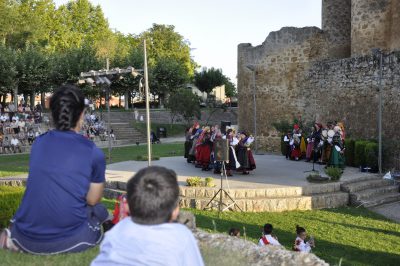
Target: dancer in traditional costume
(327, 149)
(296, 152)
(215, 136)
(233, 163)
(204, 149)
(286, 140)
(244, 154)
(193, 138)
(318, 142)
(188, 142)
(337, 155)
(310, 145)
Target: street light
(378, 52)
(105, 77)
(252, 68)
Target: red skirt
(203, 154)
(296, 153)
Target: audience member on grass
(268, 238)
(60, 210)
(300, 243)
(234, 232)
(150, 236)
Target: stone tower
(374, 24)
(336, 24)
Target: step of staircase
(370, 183)
(383, 199)
(372, 193)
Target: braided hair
(67, 105)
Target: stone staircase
(121, 123)
(371, 191)
(255, 200)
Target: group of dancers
(201, 149)
(323, 144)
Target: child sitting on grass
(268, 238)
(150, 236)
(300, 244)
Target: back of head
(67, 105)
(234, 232)
(268, 229)
(300, 230)
(153, 194)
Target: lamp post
(146, 82)
(378, 52)
(104, 77)
(252, 68)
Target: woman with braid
(60, 210)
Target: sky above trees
(213, 27)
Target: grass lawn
(357, 236)
(174, 130)
(12, 165)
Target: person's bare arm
(95, 193)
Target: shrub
(334, 173)
(349, 152)
(209, 182)
(10, 198)
(194, 181)
(359, 153)
(371, 156)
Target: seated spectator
(15, 144)
(21, 137)
(21, 125)
(1, 142)
(14, 126)
(6, 145)
(234, 232)
(4, 117)
(60, 211)
(300, 243)
(112, 135)
(268, 238)
(31, 137)
(150, 236)
(7, 128)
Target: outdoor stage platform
(276, 185)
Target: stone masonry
(325, 74)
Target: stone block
(250, 193)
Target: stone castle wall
(308, 72)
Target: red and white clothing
(268, 240)
(301, 246)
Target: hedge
(349, 152)
(359, 153)
(371, 155)
(10, 198)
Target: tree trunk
(119, 101)
(126, 100)
(33, 98)
(43, 99)
(15, 95)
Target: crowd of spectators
(19, 126)
(95, 129)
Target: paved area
(272, 171)
(390, 211)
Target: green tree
(164, 42)
(184, 102)
(167, 76)
(230, 88)
(8, 70)
(207, 79)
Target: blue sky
(213, 27)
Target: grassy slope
(358, 236)
(11, 165)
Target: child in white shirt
(300, 243)
(268, 238)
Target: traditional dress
(268, 240)
(337, 155)
(245, 156)
(295, 143)
(204, 150)
(301, 246)
(310, 146)
(233, 163)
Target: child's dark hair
(268, 229)
(234, 232)
(153, 194)
(300, 230)
(67, 104)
